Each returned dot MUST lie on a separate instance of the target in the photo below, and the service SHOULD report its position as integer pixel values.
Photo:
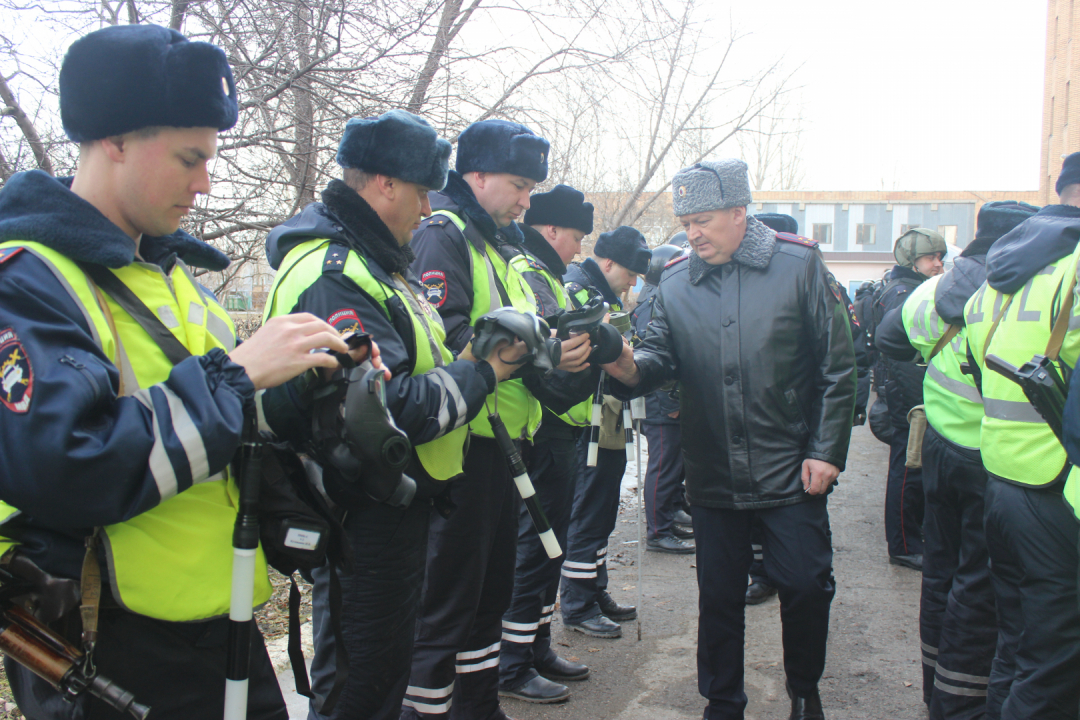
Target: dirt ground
(873, 670)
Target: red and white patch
(345, 321)
(16, 375)
(434, 282)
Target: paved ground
(873, 671)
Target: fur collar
(461, 193)
(36, 207)
(755, 251)
(538, 246)
(365, 229)
(598, 282)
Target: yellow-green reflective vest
(953, 403)
(518, 408)
(1072, 493)
(1017, 445)
(580, 414)
(174, 561)
(303, 265)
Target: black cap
(399, 144)
(1070, 172)
(626, 246)
(128, 77)
(498, 146)
(780, 222)
(562, 206)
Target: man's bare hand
(575, 353)
(624, 369)
(818, 476)
(281, 349)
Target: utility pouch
(297, 526)
(916, 418)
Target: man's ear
(115, 147)
(739, 215)
(387, 187)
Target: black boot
(614, 610)
(805, 708)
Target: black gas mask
(362, 450)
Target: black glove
(860, 417)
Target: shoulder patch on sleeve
(345, 321)
(834, 286)
(535, 265)
(16, 375)
(677, 260)
(8, 253)
(434, 282)
(797, 239)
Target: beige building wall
(1059, 136)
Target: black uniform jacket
(762, 349)
(904, 379)
(77, 456)
(425, 406)
(659, 405)
(445, 269)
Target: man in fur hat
(752, 326)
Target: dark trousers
(663, 477)
(958, 617)
(903, 499)
(798, 560)
(526, 626)
(596, 508)
(176, 668)
(467, 589)
(1032, 536)
(757, 544)
(379, 601)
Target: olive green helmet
(917, 242)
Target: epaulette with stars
(335, 257)
(676, 261)
(797, 239)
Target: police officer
(919, 254)
(1031, 531)
(124, 393)
(555, 224)
(472, 551)
(760, 588)
(619, 256)
(346, 259)
(759, 439)
(664, 473)
(957, 619)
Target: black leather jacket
(762, 348)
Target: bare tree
(602, 79)
(772, 147)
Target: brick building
(1059, 136)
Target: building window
(823, 233)
(865, 234)
(948, 232)
(905, 228)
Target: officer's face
(930, 265)
(407, 205)
(619, 277)
(565, 241)
(159, 175)
(715, 235)
(504, 196)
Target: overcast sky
(910, 94)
